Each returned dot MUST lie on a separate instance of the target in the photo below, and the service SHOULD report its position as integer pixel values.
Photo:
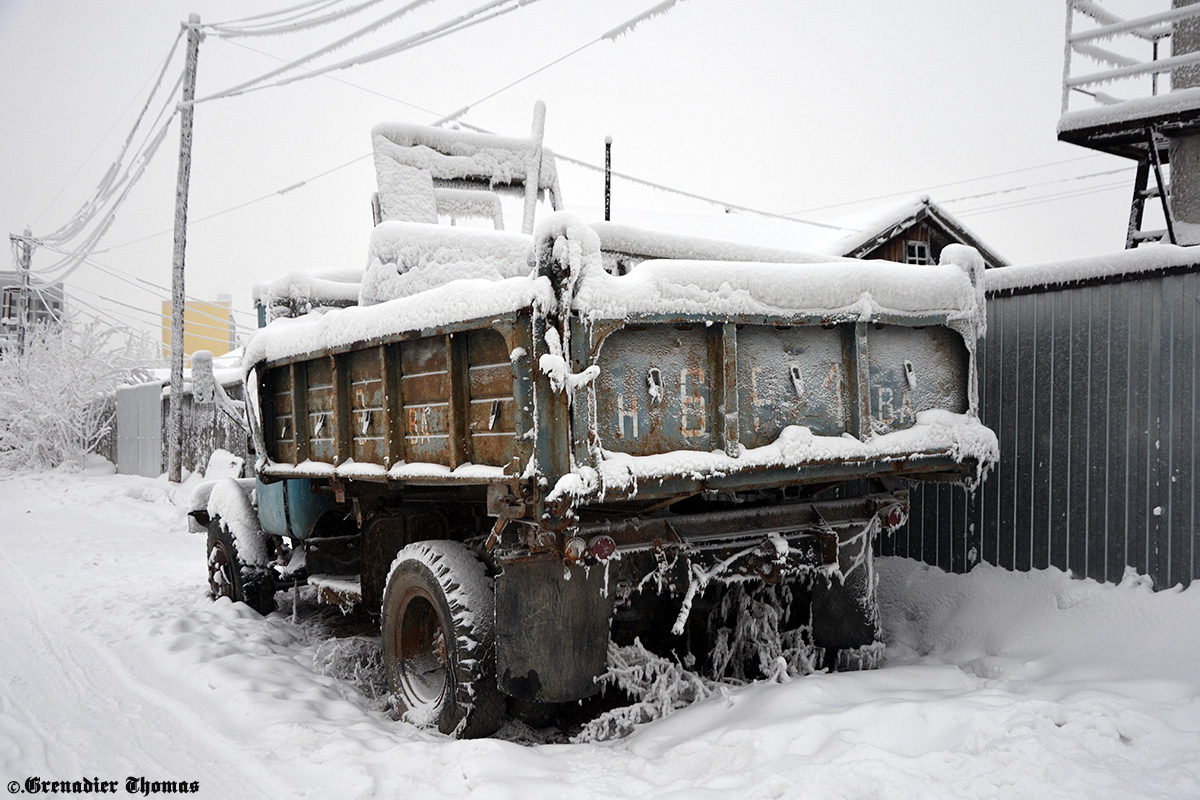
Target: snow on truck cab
(518, 449)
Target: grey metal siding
(1092, 393)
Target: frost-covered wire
(163, 293)
(1009, 205)
(309, 7)
(343, 81)
(693, 196)
(1012, 189)
(612, 35)
(72, 262)
(458, 23)
(295, 24)
(116, 321)
(629, 25)
(112, 178)
(927, 189)
(239, 206)
(158, 318)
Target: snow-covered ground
(115, 663)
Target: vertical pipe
(175, 447)
(607, 178)
(1066, 90)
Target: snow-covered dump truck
(519, 449)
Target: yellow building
(206, 326)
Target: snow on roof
(1147, 258)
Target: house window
(916, 253)
(11, 304)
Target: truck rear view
(522, 449)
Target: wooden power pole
(25, 246)
(175, 420)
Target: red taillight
(895, 517)
(602, 547)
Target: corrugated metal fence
(1092, 391)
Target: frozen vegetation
(994, 685)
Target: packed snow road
(116, 664)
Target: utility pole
(175, 426)
(25, 243)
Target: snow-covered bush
(657, 685)
(51, 412)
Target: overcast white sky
(780, 105)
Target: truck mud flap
(552, 625)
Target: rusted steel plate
(790, 376)
(319, 400)
(486, 346)
(491, 413)
(654, 392)
(428, 387)
(913, 370)
(281, 431)
(369, 444)
(491, 380)
(423, 355)
(427, 428)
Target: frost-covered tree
(52, 409)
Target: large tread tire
(229, 575)
(439, 644)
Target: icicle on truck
(520, 448)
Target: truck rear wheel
(439, 650)
(229, 575)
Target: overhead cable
(941, 185)
(295, 24)
(451, 26)
(109, 183)
(1009, 205)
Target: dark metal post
(175, 429)
(607, 178)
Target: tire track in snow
(140, 730)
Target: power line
(302, 8)
(940, 185)
(164, 294)
(1071, 179)
(239, 206)
(110, 183)
(611, 34)
(1042, 199)
(484, 13)
(334, 78)
(160, 317)
(294, 24)
(161, 292)
(114, 320)
(112, 127)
